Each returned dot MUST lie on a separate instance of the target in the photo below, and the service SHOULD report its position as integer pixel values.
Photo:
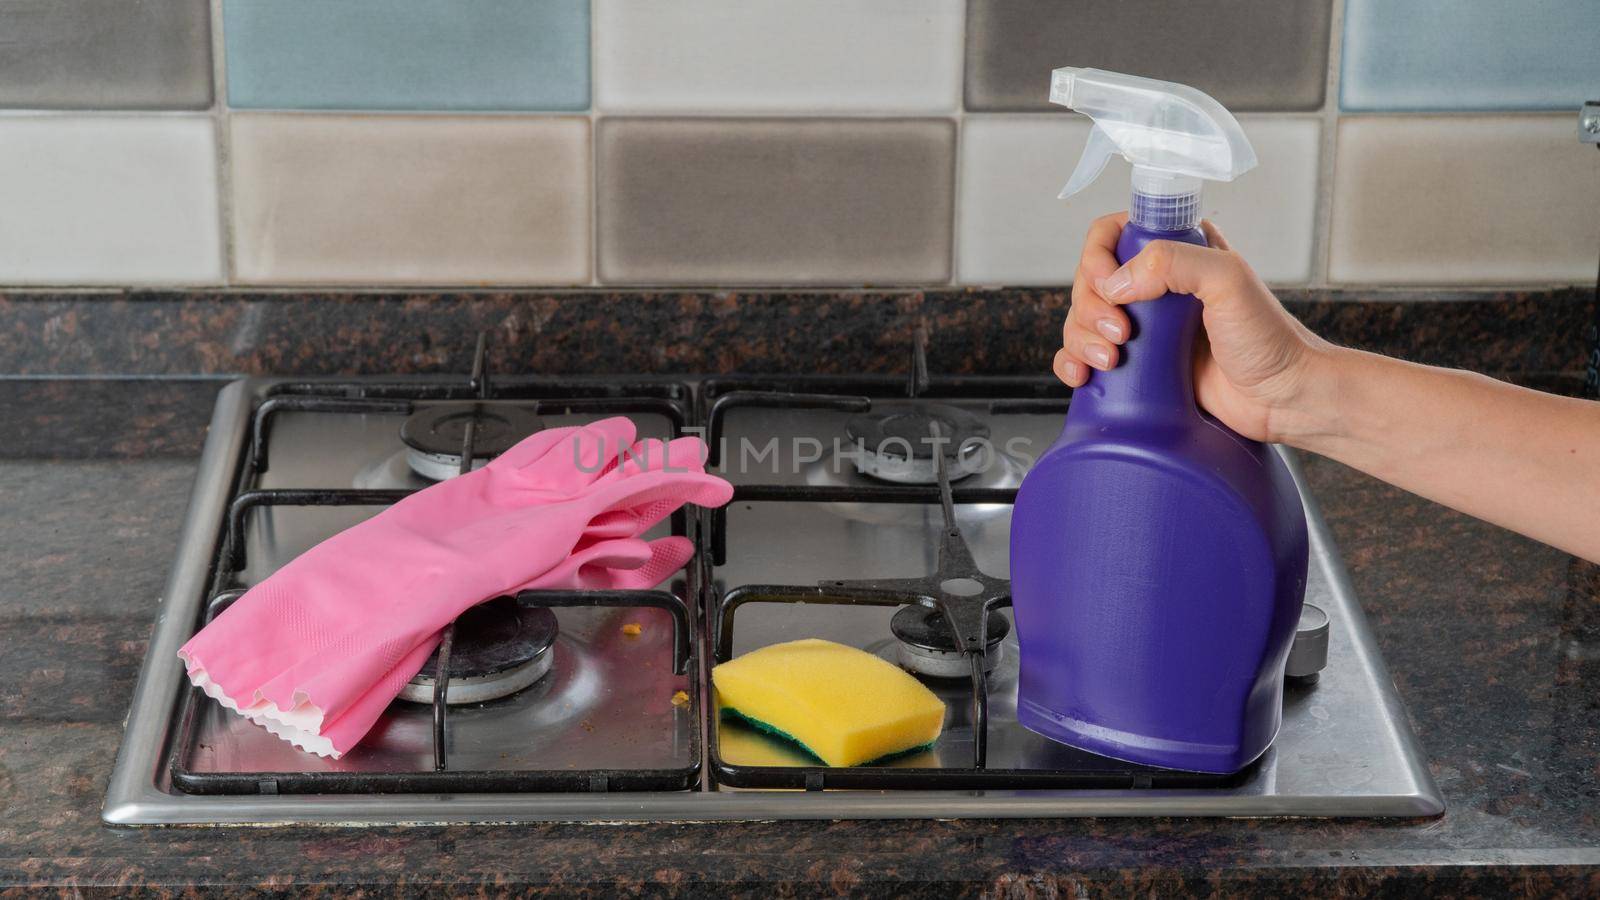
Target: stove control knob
(1309, 653)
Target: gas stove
(873, 511)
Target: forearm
(1521, 459)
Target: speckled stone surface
(1493, 641)
(991, 331)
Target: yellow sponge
(844, 705)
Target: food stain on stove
(632, 629)
(680, 698)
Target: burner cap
(927, 647)
(500, 647)
(896, 443)
(434, 434)
(903, 430)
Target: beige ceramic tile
(1464, 200)
(410, 200)
(1013, 230)
(775, 201)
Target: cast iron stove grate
(958, 589)
(669, 400)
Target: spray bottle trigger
(1097, 151)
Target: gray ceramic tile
(105, 54)
(1013, 230)
(1449, 55)
(408, 54)
(795, 201)
(1516, 206)
(1249, 54)
(899, 57)
(108, 199)
(410, 199)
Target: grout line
(820, 112)
(220, 121)
(1427, 292)
(99, 112)
(594, 149)
(1322, 229)
(960, 120)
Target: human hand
(1253, 361)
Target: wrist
(1306, 414)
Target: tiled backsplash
(768, 142)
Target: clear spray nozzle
(1174, 135)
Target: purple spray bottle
(1158, 559)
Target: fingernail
(1100, 356)
(1110, 329)
(1114, 285)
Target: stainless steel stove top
(607, 735)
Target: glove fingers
(586, 455)
(629, 521)
(532, 448)
(647, 494)
(667, 555)
(680, 455)
(581, 570)
(570, 456)
(621, 565)
(616, 523)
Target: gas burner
(500, 648)
(434, 433)
(1000, 470)
(926, 646)
(894, 442)
(392, 472)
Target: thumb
(1209, 273)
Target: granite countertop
(1493, 641)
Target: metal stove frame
(142, 788)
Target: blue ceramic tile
(1484, 55)
(407, 54)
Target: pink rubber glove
(619, 564)
(310, 644)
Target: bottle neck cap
(1164, 201)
